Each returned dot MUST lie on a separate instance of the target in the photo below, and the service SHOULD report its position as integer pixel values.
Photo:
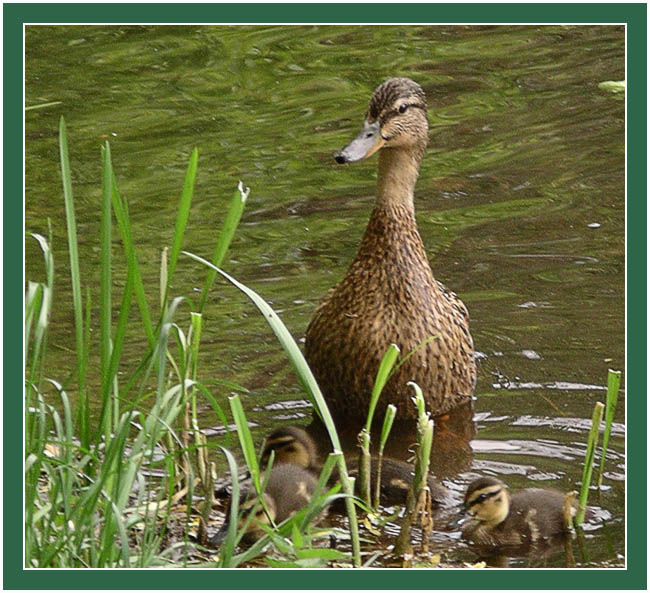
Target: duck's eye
(402, 108)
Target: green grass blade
(73, 250)
(245, 439)
(227, 550)
(286, 340)
(218, 410)
(121, 326)
(105, 293)
(33, 303)
(83, 398)
(314, 508)
(422, 344)
(43, 105)
(230, 223)
(385, 368)
(389, 418)
(42, 319)
(183, 213)
(592, 442)
(124, 225)
(613, 384)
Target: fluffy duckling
(293, 445)
(289, 488)
(389, 293)
(525, 518)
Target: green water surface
(520, 203)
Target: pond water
(520, 204)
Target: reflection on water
(520, 203)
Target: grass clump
(100, 487)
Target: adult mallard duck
(389, 293)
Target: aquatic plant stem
(416, 500)
(383, 374)
(389, 418)
(613, 384)
(587, 469)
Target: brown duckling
(289, 488)
(293, 445)
(389, 294)
(525, 518)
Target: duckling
(389, 294)
(293, 445)
(501, 520)
(289, 488)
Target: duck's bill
(367, 143)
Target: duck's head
(487, 500)
(252, 515)
(396, 118)
(290, 445)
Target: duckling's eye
(402, 108)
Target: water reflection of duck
(389, 293)
(501, 521)
(293, 445)
(289, 488)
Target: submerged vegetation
(103, 489)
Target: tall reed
(419, 498)
(88, 476)
(613, 384)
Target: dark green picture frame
(633, 577)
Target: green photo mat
(634, 577)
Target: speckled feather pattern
(389, 295)
(386, 94)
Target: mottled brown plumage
(525, 518)
(289, 489)
(389, 293)
(294, 446)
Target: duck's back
(389, 295)
(540, 511)
(291, 488)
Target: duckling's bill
(364, 145)
(459, 519)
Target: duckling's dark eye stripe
(483, 496)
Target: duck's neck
(397, 172)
